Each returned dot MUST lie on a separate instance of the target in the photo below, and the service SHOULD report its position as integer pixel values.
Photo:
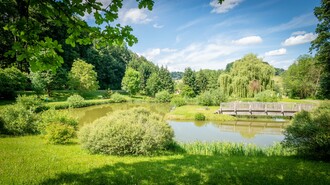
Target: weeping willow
(248, 76)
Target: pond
(259, 133)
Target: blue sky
(202, 34)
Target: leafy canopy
(27, 21)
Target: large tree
(26, 23)
(131, 81)
(322, 44)
(302, 78)
(83, 77)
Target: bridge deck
(262, 108)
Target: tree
(189, 79)
(82, 76)
(322, 45)
(247, 77)
(42, 81)
(160, 81)
(131, 81)
(302, 77)
(25, 23)
(11, 80)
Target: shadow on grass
(196, 169)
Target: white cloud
(189, 24)
(158, 26)
(135, 16)
(248, 40)
(151, 53)
(277, 52)
(210, 54)
(299, 39)
(296, 22)
(225, 6)
(298, 33)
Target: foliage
(118, 98)
(187, 92)
(110, 64)
(163, 97)
(266, 96)
(177, 75)
(11, 80)
(160, 81)
(302, 78)
(178, 101)
(135, 131)
(189, 79)
(58, 133)
(131, 81)
(247, 77)
(76, 101)
(211, 97)
(309, 133)
(82, 76)
(322, 46)
(42, 81)
(200, 117)
(30, 29)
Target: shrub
(200, 117)
(309, 133)
(57, 126)
(32, 103)
(18, 120)
(11, 80)
(118, 98)
(178, 101)
(76, 101)
(212, 97)
(58, 133)
(163, 96)
(266, 96)
(135, 131)
(205, 99)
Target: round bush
(163, 97)
(118, 98)
(76, 101)
(200, 117)
(136, 131)
(266, 96)
(178, 101)
(309, 133)
(58, 133)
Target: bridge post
(282, 109)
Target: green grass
(187, 112)
(28, 160)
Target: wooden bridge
(262, 108)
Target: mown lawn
(187, 112)
(28, 160)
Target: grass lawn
(28, 160)
(187, 112)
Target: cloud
(296, 22)
(277, 52)
(189, 24)
(210, 54)
(151, 54)
(298, 33)
(158, 26)
(225, 6)
(135, 16)
(299, 39)
(248, 40)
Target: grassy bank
(187, 112)
(27, 160)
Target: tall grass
(233, 149)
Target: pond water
(259, 133)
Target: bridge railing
(263, 106)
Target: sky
(201, 34)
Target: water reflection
(260, 133)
